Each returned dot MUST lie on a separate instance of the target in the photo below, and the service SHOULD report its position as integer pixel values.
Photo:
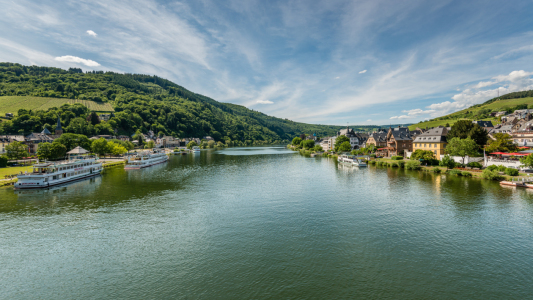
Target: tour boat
(351, 160)
(196, 149)
(50, 174)
(146, 159)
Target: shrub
(373, 155)
(455, 172)
(511, 172)
(466, 174)
(3, 161)
(401, 164)
(491, 175)
(492, 167)
(412, 165)
(501, 168)
(474, 165)
(397, 157)
(372, 162)
(394, 165)
(437, 170)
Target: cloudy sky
(326, 62)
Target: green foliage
(3, 161)
(191, 144)
(455, 172)
(461, 147)
(58, 150)
(296, 141)
(344, 147)
(397, 157)
(422, 154)
(464, 129)
(71, 141)
(16, 150)
(318, 148)
(401, 164)
(475, 164)
(511, 172)
(437, 170)
(413, 165)
(503, 143)
(99, 146)
(44, 151)
(527, 160)
(466, 174)
(339, 141)
(211, 144)
(307, 144)
(149, 145)
(93, 118)
(502, 168)
(491, 175)
(492, 167)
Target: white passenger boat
(351, 160)
(196, 149)
(49, 174)
(146, 159)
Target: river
(265, 222)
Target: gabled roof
(483, 123)
(39, 137)
(78, 150)
(46, 131)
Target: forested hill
(141, 102)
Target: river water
(248, 223)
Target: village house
(378, 139)
(356, 139)
(399, 140)
(208, 138)
(33, 140)
(324, 143)
(433, 140)
(487, 125)
(168, 142)
(106, 137)
(8, 139)
(9, 115)
(498, 114)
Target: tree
(191, 144)
(99, 146)
(58, 150)
(527, 160)
(139, 136)
(296, 141)
(16, 150)
(307, 144)
(461, 147)
(44, 151)
(72, 140)
(422, 154)
(340, 140)
(93, 118)
(3, 161)
(302, 136)
(503, 143)
(115, 148)
(211, 144)
(448, 162)
(149, 145)
(345, 147)
(318, 148)
(466, 129)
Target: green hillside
(482, 111)
(11, 104)
(141, 103)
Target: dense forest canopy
(141, 102)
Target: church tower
(59, 130)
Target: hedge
(397, 157)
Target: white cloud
(412, 113)
(369, 120)
(362, 72)
(75, 59)
(91, 33)
(265, 102)
(337, 77)
(482, 84)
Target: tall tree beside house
(340, 140)
(149, 145)
(422, 154)
(296, 141)
(503, 143)
(93, 118)
(58, 150)
(99, 146)
(191, 144)
(138, 136)
(16, 150)
(44, 151)
(466, 129)
(72, 140)
(344, 147)
(462, 147)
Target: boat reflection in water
(82, 186)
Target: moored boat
(146, 159)
(196, 149)
(50, 174)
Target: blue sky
(324, 62)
